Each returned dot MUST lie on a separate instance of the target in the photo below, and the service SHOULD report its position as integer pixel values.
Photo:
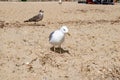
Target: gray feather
(50, 36)
(35, 18)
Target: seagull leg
(35, 23)
(60, 49)
(54, 48)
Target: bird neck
(41, 13)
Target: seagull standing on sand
(56, 38)
(36, 18)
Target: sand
(92, 52)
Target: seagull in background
(36, 18)
(56, 38)
(60, 1)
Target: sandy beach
(92, 52)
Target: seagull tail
(26, 21)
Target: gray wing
(50, 36)
(35, 18)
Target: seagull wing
(50, 36)
(33, 19)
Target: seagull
(60, 1)
(36, 18)
(56, 38)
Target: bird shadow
(34, 24)
(58, 49)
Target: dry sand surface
(92, 52)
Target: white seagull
(56, 38)
(60, 1)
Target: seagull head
(64, 29)
(41, 12)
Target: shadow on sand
(57, 50)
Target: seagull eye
(63, 29)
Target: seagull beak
(68, 34)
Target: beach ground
(92, 52)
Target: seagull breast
(57, 38)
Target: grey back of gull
(36, 18)
(50, 36)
